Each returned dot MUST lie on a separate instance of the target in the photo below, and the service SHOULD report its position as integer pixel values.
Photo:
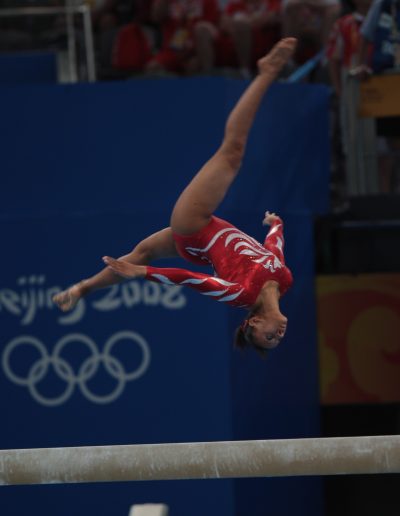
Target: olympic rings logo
(64, 370)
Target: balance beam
(226, 459)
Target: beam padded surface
(226, 459)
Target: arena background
(89, 170)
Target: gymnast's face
(267, 332)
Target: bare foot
(67, 299)
(276, 58)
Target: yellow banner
(359, 338)
(380, 96)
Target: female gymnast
(247, 274)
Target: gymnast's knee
(141, 253)
(233, 152)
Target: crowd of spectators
(364, 42)
(135, 38)
(187, 37)
(180, 37)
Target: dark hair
(244, 339)
(244, 334)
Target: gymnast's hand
(125, 269)
(269, 218)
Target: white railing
(70, 8)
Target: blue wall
(89, 170)
(30, 67)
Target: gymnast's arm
(274, 241)
(205, 284)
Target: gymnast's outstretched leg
(158, 245)
(197, 203)
(195, 206)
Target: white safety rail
(71, 8)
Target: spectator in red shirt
(344, 43)
(188, 33)
(249, 29)
(342, 53)
(122, 36)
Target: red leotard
(241, 264)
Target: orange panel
(359, 338)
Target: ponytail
(244, 335)
(241, 341)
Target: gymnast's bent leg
(158, 245)
(197, 203)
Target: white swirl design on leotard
(204, 281)
(246, 245)
(196, 252)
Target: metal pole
(89, 46)
(69, 10)
(71, 40)
(30, 11)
